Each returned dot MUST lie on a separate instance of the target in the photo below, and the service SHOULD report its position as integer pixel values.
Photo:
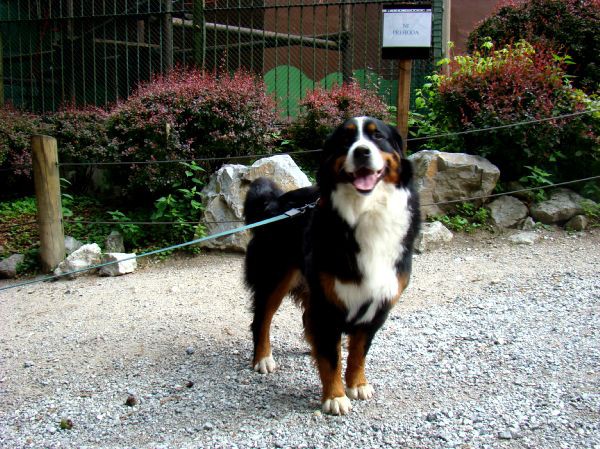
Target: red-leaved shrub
(16, 129)
(566, 26)
(322, 110)
(190, 114)
(502, 87)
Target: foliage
(16, 129)
(322, 110)
(17, 237)
(81, 134)
(190, 114)
(571, 26)
(537, 178)
(501, 87)
(183, 206)
(467, 218)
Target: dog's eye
(377, 135)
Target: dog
(346, 261)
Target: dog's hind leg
(266, 303)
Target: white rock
(225, 193)
(524, 238)
(80, 259)
(432, 236)
(124, 263)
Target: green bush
(190, 114)
(502, 87)
(571, 26)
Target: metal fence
(57, 52)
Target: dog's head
(363, 152)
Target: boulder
(85, 257)
(71, 244)
(123, 263)
(528, 224)
(441, 177)
(507, 211)
(562, 205)
(577, 223)
(114, 243)
(8, 266)
(432, 236)
(524, 238)
(225, 193)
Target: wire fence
(95, 52)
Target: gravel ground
(494, 346)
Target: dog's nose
(362, 154)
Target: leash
(289, 214)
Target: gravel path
(494, 346)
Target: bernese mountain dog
(346, 261)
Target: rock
(451, 176)
(71, 244)
(8, 266)
(577, 223)
(124, 263)
(432, 236)
(114, 243)
(225, 193)
(562, 205)
(528, 224)
(507, 211)
(524, 238)
(85, 257)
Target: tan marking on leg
(355, 370)
(403, 279)
(263, 347)
(331, 377)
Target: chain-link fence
(57, 52)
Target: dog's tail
(261, 201)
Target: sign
(406, 32)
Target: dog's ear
(396, 140)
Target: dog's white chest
(380, 221)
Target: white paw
(362, 392)
(265, 365)
(337, 406)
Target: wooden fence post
(49, 208)
(403, 102)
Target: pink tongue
(365, 180)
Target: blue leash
(290, 213)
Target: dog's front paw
(265, 365)
(337, 406)
(362, 392)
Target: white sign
(407, 28)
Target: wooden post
(199, 25)
(49, 207)
(168, 36)
(403, 102)
(346, 44)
